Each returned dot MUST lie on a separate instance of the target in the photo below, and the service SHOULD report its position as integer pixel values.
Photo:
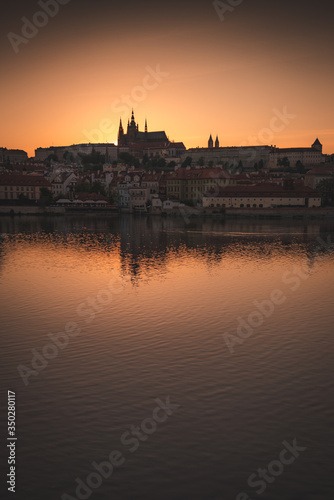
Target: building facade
(247, 156)
(109, 150)
(14, 186)
(318, 174)
(306, 156)
(192, 184)
(13, 155)
(63, 184)
(262, 196)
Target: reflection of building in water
(147, 246)
(153, 242)
(142, 245)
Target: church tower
(217, 142)
(120, 134)
(317, 145)
(210, 142)
(132, 129)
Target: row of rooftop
(135, 189)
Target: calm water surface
(177, 291)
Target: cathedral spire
(145, 125)
(133, 118)
(210, 142)
(217, 142)
(120, 132)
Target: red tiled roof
(29, 167)
(201, 173)
(264, 189)
(177, 145)
(149, 145)
(151, 177)
(322, 170)
(23, 180)
(61, 178)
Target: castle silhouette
(134, 136)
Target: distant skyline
(179, 64)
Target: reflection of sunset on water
(101, 316)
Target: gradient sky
(221, 77)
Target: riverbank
(266, 213)
(22, 210)
(290, 213)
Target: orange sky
(220, 77)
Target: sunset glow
(73, 81)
